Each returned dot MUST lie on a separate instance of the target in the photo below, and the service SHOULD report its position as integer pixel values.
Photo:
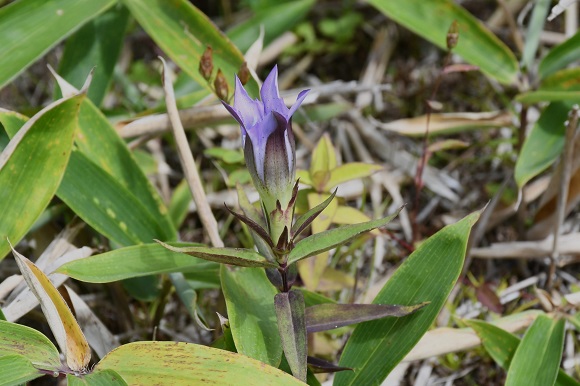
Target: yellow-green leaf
(32, 166)
(65, 328)
(178, 363)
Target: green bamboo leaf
(560, 56)
(275, 19)
(107, 206)
(96, 45)
(233, 256)
(537, 358)
(183, 32)
(330, 316)
(179, 204)
(96, 378)
(501, 346)
(20, 370)
(182, 364)
(428, 275)
(28, 184)
(535, 28)
(292, 328)
(250, 304)
(326, 240)
(25, 341)
(101, 143)
(544, 143)
(133, 261)
(431, 20)
(548, 96)
(28, 29)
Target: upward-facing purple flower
(267, 139)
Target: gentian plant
(269, 150)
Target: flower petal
(280, 156)
(234, 113)
(259, 134)
(298, 102)
(270, 95)
(248, 109)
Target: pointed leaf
(177, 363)
(306, 219)
(29, 183)
(537, 358)
(133, 261)
(376, 347)
(348, 172)
(65, 328)
(250, 302)
(544, 143)
(501, 346)
(330, 316)
(560, 56)
(106, 205)
(324, 241)
(323, 156)
(477, 45)
(25, 341)
(254, 226)
(234, 256)
(535, 28)
(101, 144)
(28, 29)
(17, 370)
(292, 329)
(96, 45)
(98, 378)
(318, 365)
(183, 32)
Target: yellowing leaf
(323, 157)
(65, 328)
(349, 172)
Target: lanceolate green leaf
(25, 341)
(560, 56)
(101, 143)
(183, 32)
(29, 183)
(28, 29)
(431, 19)
(234, 256)
(20, 370)
(501, 346)
(428, 275)
(133, 261)
(103, 203)
(544, 143)
(275, 19)
(182, 364)
(535, 28)
(537, 358)
(96, 45)
(549, 96)
(324, 241)
(250, 303)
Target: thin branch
(571, 126)
(188, 163)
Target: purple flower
(267, 139)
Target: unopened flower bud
(221, 86)
(452, 35)
(206, 63)
(244, 74)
